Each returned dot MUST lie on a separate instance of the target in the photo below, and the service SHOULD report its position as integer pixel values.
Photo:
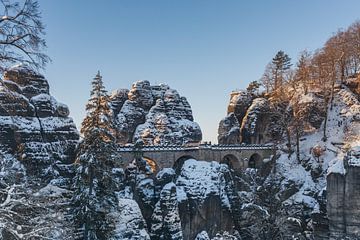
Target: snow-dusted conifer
(94, 188)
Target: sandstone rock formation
(252, 116)
(247, 120)
(229, 130)
(263, 119)
(204, 202)
(255, 121)
(153, 115)
(343, 205)
(240, 101)
(33, 125)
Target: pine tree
(276, 72)
(97, 154)
(253, 88)
(281, 62)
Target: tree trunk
(288, 140)
(87, 221)
(297, 144)
(325, 120)
(332, 90)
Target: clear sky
(202, 48)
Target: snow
(252, 205)
(308, 98)
(346, 109)
(200, 179)
(336, 166)
(129, 223)
(181, 194)
(353, 157)
(295, 173)
(165, 172)
(202, 236)
(51, 191)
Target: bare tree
(302, 72)
(21, 34)
(353, 43)
(325, 75)
(267, 78)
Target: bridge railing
(218, 147)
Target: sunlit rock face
(261, 118)
(153, 115)
(33, 125)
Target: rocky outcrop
(33, 125)
(253, 127)
(129, 223)
(247, 120)
(229, 130)
(117, 100)
(343, 191)
(165, 220)
(154, 115)
(354, 85)
(204, 203)
(263, 120)
(240, 101)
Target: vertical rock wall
(33, 125)
(343, 205)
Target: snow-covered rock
(240, 101)
(33, 125)
(229, 130)
(165, 222)
(343, 206)
(129, 223)
(153, 115)
(204, 198)
(253, 127)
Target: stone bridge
(238, 157)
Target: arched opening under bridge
(255, 161)
(232, 161)
(152, 164)
(180, 162)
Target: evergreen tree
(253, 88)
(94, 188)
(276, 72)
(281, 62)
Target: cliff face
(343, 205)
(261, 119)
(247, 120)
(33, 125)
(154, 115)
(181, 206)
(229, 130)
(255, 122)
(315, 196)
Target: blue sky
(203, 48)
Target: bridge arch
(152, 164)
(255, 161)
(232, 161)
(180, 162)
